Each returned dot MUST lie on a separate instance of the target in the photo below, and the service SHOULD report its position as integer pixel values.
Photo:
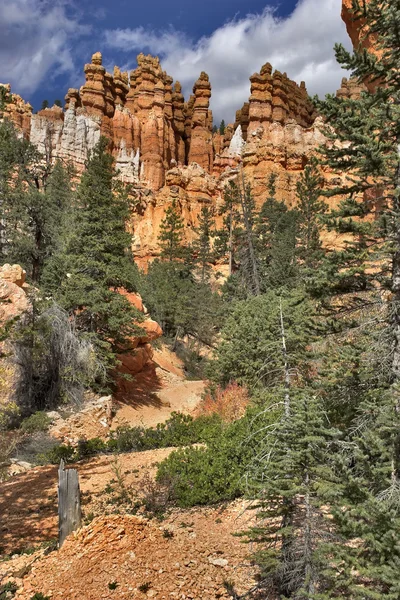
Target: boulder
(13, 273)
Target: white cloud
(301, 45)
(35, 42)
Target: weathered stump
(69, 502)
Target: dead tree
(69, 502)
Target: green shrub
(179, 430)
(90, 447)
(65, 452)
(8, 590)
(215, 473)
(39, 421)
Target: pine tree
(276, 245)
(363, 560)
(33, 198)
(171, 234)
(292, 480)
(250, 348)
(365, 137)
(310, 210)
(222, 127)
(227, 237)
(45, 104)
(98, 260)
(201, 247)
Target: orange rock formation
(165, 147)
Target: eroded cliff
(165, 147)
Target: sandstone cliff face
(14, 108)
(165, 147)
(13, 299)
(356, 27)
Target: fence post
(69, 502)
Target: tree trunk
(69, 502)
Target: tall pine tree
(98, 260)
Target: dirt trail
(150, 398)
(198, 558)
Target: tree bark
(69, 502)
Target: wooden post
(69, 502)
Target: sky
(45, 43)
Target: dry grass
(229, 403)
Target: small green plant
(168, 534)
(40, 596)
(39, 421)
(88, 518)
(112, 585)
(144, 588)
(230, 588)
(8, 590)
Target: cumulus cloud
(300, 45)
(35, 41)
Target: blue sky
(45, 43)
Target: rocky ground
(189, 554)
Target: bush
(179, 430)
(90, 447)
(216, 473)
(230, 403)
(65, 452)
(54, 363)
(39, 421)
(34, 447)
(8, 590)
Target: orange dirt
(195, 559)
(150, 398)
(191, 562)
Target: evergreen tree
(292, 480)
(45, 104)
(310, 208)
(171, 234)
(363, 561)
(276, 246)
(58, 103)
(98, 260)
(226, 238)
(32, 202)
(365, 138)
(249, 262)
(201, 247)
(250, 350)
(222, 127)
